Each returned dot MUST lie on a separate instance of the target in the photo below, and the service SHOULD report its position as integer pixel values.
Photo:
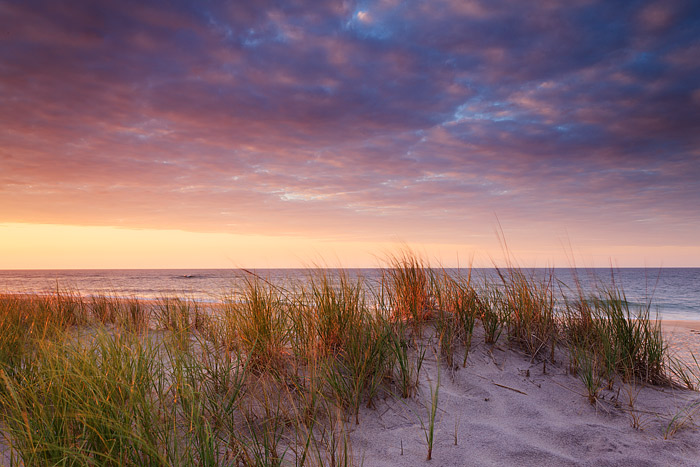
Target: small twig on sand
(512, 389)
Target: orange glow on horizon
(50, 246)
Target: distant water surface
(673, 292)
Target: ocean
(673, 292)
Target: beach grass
(270, 376)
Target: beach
(268, 379)
(683, 338)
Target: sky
(269, 134)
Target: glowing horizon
(135, 135)
(79, 247)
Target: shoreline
(681, 324)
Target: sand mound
(503, 409)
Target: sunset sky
(268, 134)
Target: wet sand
(683, 339)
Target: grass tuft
(408, 279)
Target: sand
(683, 338)
(503, 409)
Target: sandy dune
(504, 410)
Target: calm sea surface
(674, 292)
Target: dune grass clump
(132, 314)
(529, 307)
(18, 325)
(458, 308)
(68, 305)
(257, 324)
(82, 404)
(339, 308)
(408, 360)
(611, 340)
(360, 368)
(124, 399)
(175, 314)
(26, 322)
(466, 306)
(632, 341)
(447, 331)
(407, 281)
(588, 371)
(104, 308)
(492, 314)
